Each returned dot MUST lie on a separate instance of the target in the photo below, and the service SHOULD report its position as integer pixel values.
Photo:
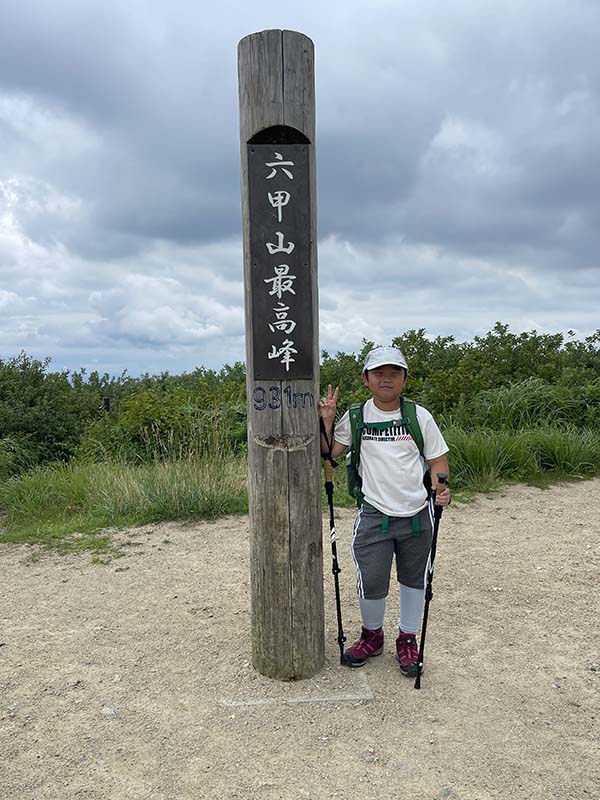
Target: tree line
(500, 381)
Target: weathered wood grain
(276, 88)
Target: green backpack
(408, 417)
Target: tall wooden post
(277, 132)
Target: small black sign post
(277, 132)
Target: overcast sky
(458, 168)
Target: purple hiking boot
(369, 644)
(407, 654)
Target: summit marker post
(277, 135)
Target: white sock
(372, 612)
(411, 608)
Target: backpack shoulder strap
(409, 410)
(356, 427)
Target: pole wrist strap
(328, 455)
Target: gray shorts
(373, 551)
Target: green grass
(75, 507)
(71, 506)
(483, 459)
(518, 406)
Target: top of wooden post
(271, 96)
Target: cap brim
(388, 363)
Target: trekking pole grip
(442, 477)
(328, 471)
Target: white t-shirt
(390, 465)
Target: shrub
(17, 454)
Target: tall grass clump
(568, 451)
(48, 505)
(526, 404)
(482, 459)
(171, 490)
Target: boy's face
(385, 383)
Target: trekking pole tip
(418, 678)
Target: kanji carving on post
(285, 351)
(282, 282)
(278, 200)
(279, 164)
(280, 247)
(282, 322)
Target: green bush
(46, 412)
(589, 403)
(500, 381)
(164, 427)
(527, 404)
(17, 454)
(105, 439)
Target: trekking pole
(442, 478)
(335, 565)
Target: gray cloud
(457, 148)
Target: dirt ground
(132, 679)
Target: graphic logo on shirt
(395, 433)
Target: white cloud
(475, 147)
(51, 132)
(422, 287)
(158, 310)
(11, 304)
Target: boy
(396, 514)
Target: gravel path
(132, 679)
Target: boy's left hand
(328, 405)
(442, 495)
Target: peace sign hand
(328, 405)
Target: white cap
(379, 356)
